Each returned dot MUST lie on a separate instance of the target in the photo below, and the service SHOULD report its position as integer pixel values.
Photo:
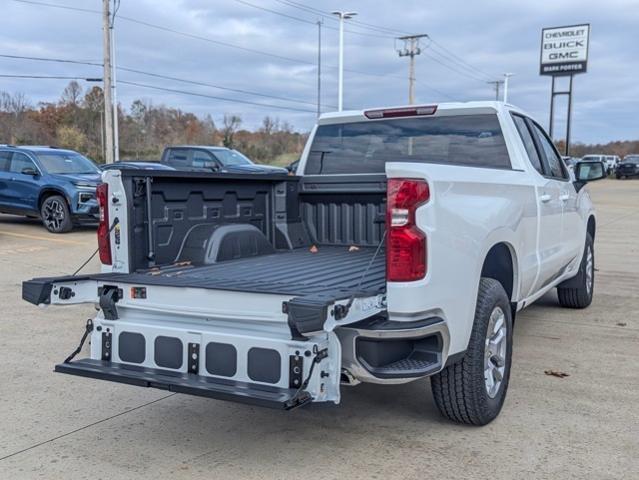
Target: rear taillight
(406, 247)
(104, 243)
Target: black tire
(55, 214)
(578, 291)
(460, 390)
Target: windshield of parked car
(631, 158)
(592, 158)
(66, 163)
(365, 147)
(231, 158)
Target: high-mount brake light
(406, 248)
(401, 112)
(104, 242)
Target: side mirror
(30, 171)
(589, 172)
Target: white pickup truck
(402, 249)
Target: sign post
(564, 52)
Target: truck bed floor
(294, 272)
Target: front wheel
(55, 214)
(577, 292)
(473, 390)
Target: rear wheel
(55, 214)
(473, 390)
(577, 292)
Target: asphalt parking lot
(585, 425)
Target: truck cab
(403, 248)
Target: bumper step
(254, 394)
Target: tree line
(76, 121)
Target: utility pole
(506, 77)
(497, 84)
(116, 131)
(319, 68)
(410, 50)
(340, 75)
(108, 103)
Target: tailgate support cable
(115, 222)
(88, 329)
(342, 310)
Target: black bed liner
(332, 269)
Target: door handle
(564, 197)
(546, 197)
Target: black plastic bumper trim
(229, 390)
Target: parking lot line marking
(36, 237)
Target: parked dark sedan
(629, 167)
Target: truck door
(548, 204)
(559, 200)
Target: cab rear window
(365, 147)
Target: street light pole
(506, 77)
(340, 74)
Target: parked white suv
(403, 248)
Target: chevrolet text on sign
(564, 50)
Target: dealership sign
(564, 50)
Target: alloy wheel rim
(495, 352)
(590, 270)
(53, 214)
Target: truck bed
(300, 272)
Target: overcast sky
(485, 37)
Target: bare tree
(72, 94)
(230, 126)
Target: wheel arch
(48, 192)
(500, 263)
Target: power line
(441, 60)
(57, 60)
(453, 57)
(168, 77)
(304, 20)
(390, 33)
(231, 100)
(65, 7)
(460, 60)
(204, 84)
(52, 77)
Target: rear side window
(5, 158)
(528, 142)
(178, 157)
(552, 159)
(365, 147)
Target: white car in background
(611, 161)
